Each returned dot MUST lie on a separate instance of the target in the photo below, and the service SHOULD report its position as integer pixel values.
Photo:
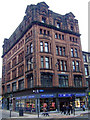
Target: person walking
(83, 107)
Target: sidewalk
(51, 115)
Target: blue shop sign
(80, 94)
(24, 97)
(47, 96)
(18, 98)
(64, 95)
(31, 96)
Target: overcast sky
(13, 11)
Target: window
(14, 86)
(14, 73)
(42, 62)
(46, 47)
(60, 50)
(62, 37)
(56, 36)
(40, 31)
(70, 38)
(63, 51)
(8, 88)
(59, 36)
(77, 81)
(58, 25)
(30, 81)
(43, 20)
(63, 81)
(31, 63)
(73, 64)
(65, 66)
(72, 28)
(76, 54)
(57, 50)
(41, 46)
(21, 70)
(58, 63)
(44, 32)
(61, 65)
(46, 80)
(72, 53)
(84, 58)
(48, 33)
(77, 65)
(31, 48)
(21, 84)
(27, 49)
(47, 62)
(86, 70)
(27, 63)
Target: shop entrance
(64, 101)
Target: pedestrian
(64, 109)
(68, 110)
(83, 107)
(71, 109)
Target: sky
(13, 11)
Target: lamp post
(73, 99)
(37, 91)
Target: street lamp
(37, 91)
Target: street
(5, 115)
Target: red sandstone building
(42, 61)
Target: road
(5, 115)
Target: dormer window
(72, 28)
(43, 20)
(58, 25)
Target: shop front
(66, 99)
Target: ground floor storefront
(51, 100)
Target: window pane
(46, 47)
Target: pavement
(51, 115)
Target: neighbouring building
(43, 62)
(86, 59)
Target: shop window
(46, 80)
(14, 86)
(48, 103)
(63, 81)
(30, 105)
(77, 81)
(21, 85)
(8, 88)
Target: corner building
(42, 62)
